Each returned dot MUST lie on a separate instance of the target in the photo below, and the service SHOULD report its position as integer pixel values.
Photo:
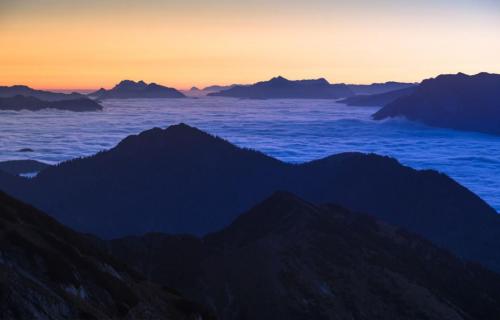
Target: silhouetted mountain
(452, 101)
(35, 104)
(50, 272)
(20, 90)
(216, 88)
(182, 180)
(377, 88)
(380, 99)
(128, 89)
(17, 167)
(281, 88)
(289, 259)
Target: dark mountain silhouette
(216, 88)
(380, 99)
(458, 101)
(182, 180)
(47, 271)
(20, 90)
(281, 88)
(289, 259)
(17, 167)
(129, 89)
(35, 104)
(378, 88)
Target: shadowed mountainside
(289, 259)
(452, 101)
(281, 88)
(380, 99)
(20, 90)
(182, 180)
(34, 104)
(47, 271)
(128, 89)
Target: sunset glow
(57, 45)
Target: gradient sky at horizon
(89, 44)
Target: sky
(64, 44)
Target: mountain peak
(278, 79)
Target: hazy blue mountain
(20, 90)
(34, 104)
(457, 101)
(128, 89)
(51, 272)
(281, 88)
(17, 167)
(216, 88)
(379, 99)
(289, 259)
(377, 88)
(182, 180)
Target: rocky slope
(48, 271)
(289, 259)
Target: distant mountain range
(378, 88)
(128, 89)
(20, 90)
(182, 180)
(20, 102)
(457, 101)
(290, 259)
(378, 99)
(51, 272)
(281, 88)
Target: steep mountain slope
(48, 271)
(182, 180)
(452, 101)
(128, 89)
(281, 88)
(289, 259)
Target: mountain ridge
(286, 258)
(160, 171)
(457, 101)
(282, 88)
(128, 89)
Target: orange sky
(82, 45)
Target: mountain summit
(281, 88)
(286, 258)
(183, 180)
(131, 89)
